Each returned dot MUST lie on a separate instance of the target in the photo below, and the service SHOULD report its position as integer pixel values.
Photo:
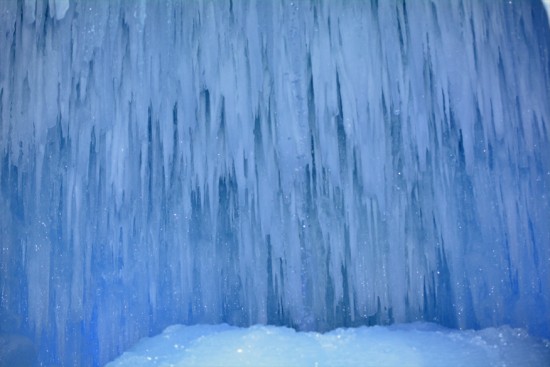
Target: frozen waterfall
(313, 164)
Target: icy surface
(412, 345)
(314, 164)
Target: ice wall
(310, 163)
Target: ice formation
(314, 164)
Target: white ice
(547, 6)
(417, 344)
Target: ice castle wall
(309, 163)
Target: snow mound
(418, 344)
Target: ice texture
(411, 345)
(313, 164)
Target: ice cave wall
(309, 163)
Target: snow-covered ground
(418, 344)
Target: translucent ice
(312, 164)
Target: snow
(310, 164)
(417, 344)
